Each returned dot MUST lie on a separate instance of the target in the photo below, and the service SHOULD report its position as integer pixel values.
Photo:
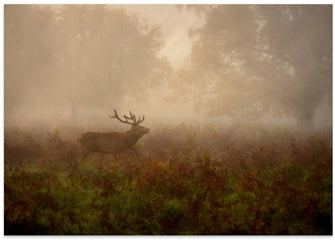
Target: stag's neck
(131, 138)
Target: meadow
(186, 180)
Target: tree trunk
(305, 120)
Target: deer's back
(110, 142)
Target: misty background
(73, 64)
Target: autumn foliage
(186, 180)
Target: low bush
(199, 181)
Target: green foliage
(204, 183)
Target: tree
(26, 55)
(307, 50)
(111, 53)
(96, 55)
(251, 60)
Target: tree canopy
(80, 55)
(249, 60)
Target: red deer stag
(113, 142)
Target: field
(186, 180)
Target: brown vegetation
(208, 180)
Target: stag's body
(112, 142)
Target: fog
(73, 64)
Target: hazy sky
(175, 24)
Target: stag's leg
(134, 153)
(137, 156)
(84, 153)
(100, 162)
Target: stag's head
(136, 128)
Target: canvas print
(168, 119)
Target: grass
(187, 180)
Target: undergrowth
(187, 180)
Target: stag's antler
(118, 118)
(132, 117)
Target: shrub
(200, 181)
